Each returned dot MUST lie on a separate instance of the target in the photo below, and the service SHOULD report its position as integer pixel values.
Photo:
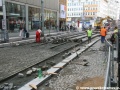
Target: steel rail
(11, 76)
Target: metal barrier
(109, 77)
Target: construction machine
(100, 23)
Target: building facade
(63, 13)
(91, 9)
(27, 13)
(113, 8)
(74, 10)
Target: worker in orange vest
(103, 33)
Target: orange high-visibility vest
(103, 32)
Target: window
(96, 2)
(15, 16)
(88, 13)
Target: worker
(115, 31)
(115, 35)
(89, 34)
(38, 35)
(103, 33)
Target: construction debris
(29, 72)
(20, 75)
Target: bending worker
(89, 34)
(103, 33)
(38, 35)
(115, 32)
(115, 35)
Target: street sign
(0, 2)
(3, 24)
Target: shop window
(15, 16)
(34, 18)
(51, 20)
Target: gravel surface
(14, 59)
(71, 74)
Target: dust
(90, 82)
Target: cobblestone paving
(68, 77)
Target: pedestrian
(24, 32)
(89, 34)
(71, 27)
(103, 33)
(112, 38)
(68, 26)
(21, 31)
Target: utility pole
(83, 18)
(4, 26)
(42, 15)
(119, 53)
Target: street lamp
(42, 16)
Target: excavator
(98, 25)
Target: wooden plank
(33, 86)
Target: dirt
(90, 82)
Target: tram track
(19, 41)
(63, 37)
(55, 68)
(38, 45)
(43, 61)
